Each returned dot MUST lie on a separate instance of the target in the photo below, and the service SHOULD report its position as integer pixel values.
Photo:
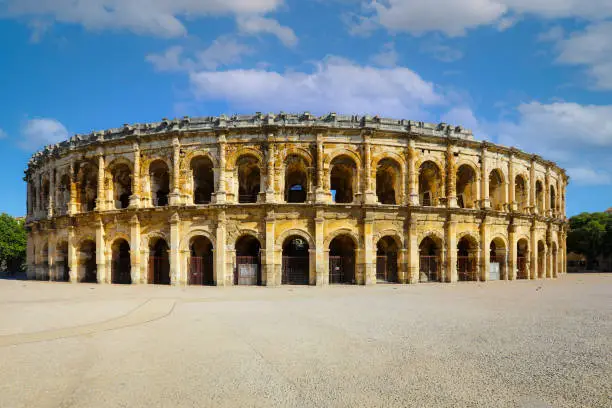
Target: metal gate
(201, 270)
(498, 268)
(121, 271)
(386, 268)
(341, 269)
(159, 270)
(466, 269)
(429, 268)
(521, 268)
(247, 270)
(295, 270)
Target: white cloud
(254, 25)
(161, 18)
(442, 52)
(36, 133)
(387, 57)
(555, 33)
(222, 51)
(335, 85)
(578, 136)
(593, 49)
(454, 17)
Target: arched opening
(429, 260)
(45, 263)
(296, 265)
(539, 195)
(430, 184)
(159, 262)
(88, 187)
(63, 194)
(122, 185)
(555, 260)
(522, 257)
(63, 269)
(497, 259)
(467, 187)
(467, 259)
(160, 183)
(122, 265)
(248, 265)
(88, 269)
(44, 195)
(203, 180)
(520, 193)
(386, 260)
(296, 179)
(342, 179)
(342, 260)
(201, 270)
(497, 193)
(553, 201)
(541, 259)
(249, 179)
(388, 179)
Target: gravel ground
(498, 344)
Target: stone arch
(437, 236)
(121, 266)
(521, 191)
(344, 179)
(63, 192)
(159, 175)
(389, 155)
(87, 261)
(295, 232)
(158, 248)
(467, 184)
(467, 256)
(539, 196)
(194, 154)
(397, 236)
(522, 257)
(389, 180)
(61, 260)
(119, 174)
(244, 151)
(195, 232)
(87, 190)
(201, 178)
(248, 176)
(553, 199)
(497, 189)
(296, 177)
(247, 248)
(343, 231)
(329, 157)
(498, 257)
(431, 183)
(120, 160)
(388, 249)
(146, 239)
(115, 237)
(342, 255)
(472, 236)
(297, 259)
(298, 151)
(199, 256)
(430, 252)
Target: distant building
(608, 211)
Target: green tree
(13, 241)
(590, 234)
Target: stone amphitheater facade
(292, 199)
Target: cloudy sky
(536, 74)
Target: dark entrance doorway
(159, 263)
(87, 258)
(429, 261)
(295, 261)
(467, 269)
(248, 265)
(386, 260)
(342, 260)
(201, 262)
(122, 265)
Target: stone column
(135, 249)
(175, 260)
(220, 272)
(73, 265)
(485, 259)
(533, 248)
(484, 178)
(268, 278)
(532, 190)
(550, 262)
(270, 171)
(175, 196)
(548, 206)
(221, 194)
(100, 197)
(511, 184)
(512, 254)
(51, 255)
(321, 269)
(101, 253)
(30, 256)
(72, 205)
(413, 176)
(402, 267)
(320, 193)
(369, 194)
(369, 253)
(451, 249)
(51, 204)
(413, 252)
(451, 176)
(135, 197)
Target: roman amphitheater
(292, 199)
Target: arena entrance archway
(248, 264)
(386, 260)
(296, 265)
(159, 262)
(467, 265)
(63, 269)
(497, 259)
(541, 259)
(87, 262)
(342, 260)
(522, 256)
(201, 270)
(429, 260)
(122, 265)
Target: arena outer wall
(216, 200)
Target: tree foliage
(13, 241)
(590, 234)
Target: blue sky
(536, 74)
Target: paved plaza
(545, 343)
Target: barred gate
(429, 268)
(500, 260)
(521, 266)
(159, 270)
(341, 269)
(466, 269)
(247, 271)
(121, 271)
(201, 270)
(295, 270)
(386, 268)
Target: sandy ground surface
(496, 344)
